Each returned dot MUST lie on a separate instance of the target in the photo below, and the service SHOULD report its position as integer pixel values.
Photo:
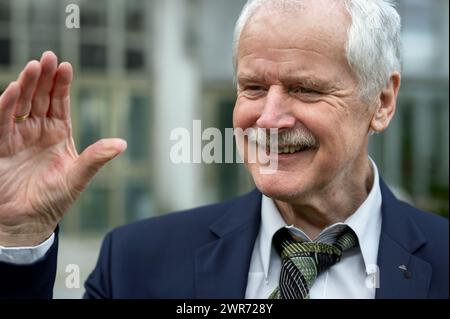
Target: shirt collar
(365, 222)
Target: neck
(331, 205)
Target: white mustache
(293, 137)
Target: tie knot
(323, 254)
(303, 261)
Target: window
(420, 38)
(93, 56)
(135, 60)
(44, 27)
(138, 201)
(45, 12)
(135, 15)
(228, 174)
(94, 208)
(93, 35)
(5, 51)
(137, 131)
(92, 115)
(37, 48)
(5, 10)
(93, 14)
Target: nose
(276, 112)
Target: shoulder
(190, 225)
(172, 239)
(400, 219)
(433, 226)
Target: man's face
(293, 75)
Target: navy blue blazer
(205, 253)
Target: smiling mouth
(288, 149)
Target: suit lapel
(402, 274)
(222, 265)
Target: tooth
(292, 149)
(286, 149)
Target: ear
(386, 105)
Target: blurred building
(144, 67)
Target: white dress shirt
(25, 255)
(354, 276)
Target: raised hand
(41, 173)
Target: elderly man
(326, 75)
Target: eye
(253, 91)
(254, 88)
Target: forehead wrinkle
(320, 43)
(285, 71)
(294, 54)
(259, 73)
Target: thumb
(92, 159)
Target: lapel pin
(405, 271)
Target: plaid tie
(302, 262)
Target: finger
(59, 99)
(91, 160)
(8, 99)
(27, 80)
(41, 99)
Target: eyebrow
(309, 81)
(247, 77)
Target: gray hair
(373, 47)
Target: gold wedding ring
(22, 118)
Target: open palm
(41, 173)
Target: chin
(281, 186)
